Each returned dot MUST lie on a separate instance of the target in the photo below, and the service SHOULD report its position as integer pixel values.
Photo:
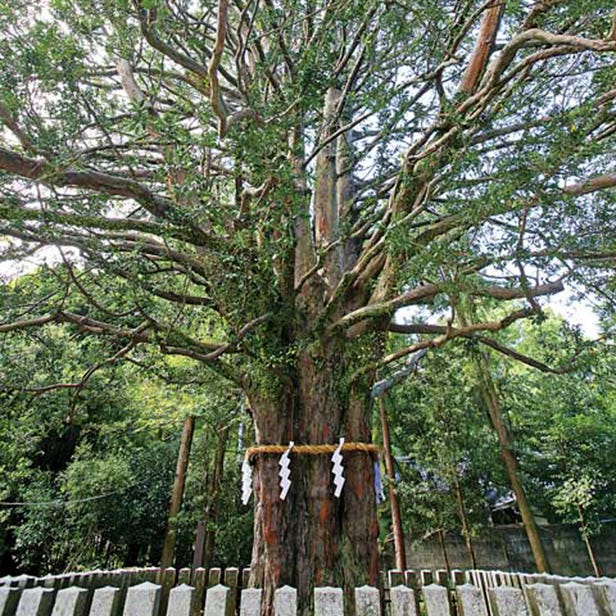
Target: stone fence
(160, 592)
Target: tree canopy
(260, 186)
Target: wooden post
(204, 537)
(463, 519)
(177, 492)
(441, 536)
(490, 397)
(394, 503)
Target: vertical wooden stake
(396, 518)
(177, 492)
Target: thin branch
(167, 50)
(223, 348)
(450, 334)
(9, 121)
(84, 379)
(525, 359)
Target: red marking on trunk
(374, 569)
(324, 512)
(321, 222)
(326, 433)
(270, 533)
(276, 572)
(374, 528)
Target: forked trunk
(312, 538)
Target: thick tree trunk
(312, 538)
(488, 392)
(394, 504)
(177, 493)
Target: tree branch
(483, 45)
(84, 379)
(450, 333)
(41, 170)
(598, 182)
(427, 292)
(7, 119)
(536, 35)
(216, 99)
(525, 359)
(167, 50)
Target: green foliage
(445, 446)
(562, 426)
(564, 423)
(211, 230)
(93, 465)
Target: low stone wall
(506, 548)
(404, 593)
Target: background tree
(564, 426)
(447, 451)
(88, 458)
(275, 180)
(558, 414)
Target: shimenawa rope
(310, 450)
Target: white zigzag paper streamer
(246, 481)
(285, 473)
(338, 469)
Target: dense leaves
(562, 426)
(252, 190)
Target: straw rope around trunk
(310, 450)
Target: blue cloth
(378, 483)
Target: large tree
(275, 179)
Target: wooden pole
(205, 535)
(490, 397)
(177, 492)
(463, 519)
(488, 392)
(394, 503)
(441, 536)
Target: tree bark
(177, 493)
(490, 397)
(394, 504)
(483, 46)
(312, 538)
